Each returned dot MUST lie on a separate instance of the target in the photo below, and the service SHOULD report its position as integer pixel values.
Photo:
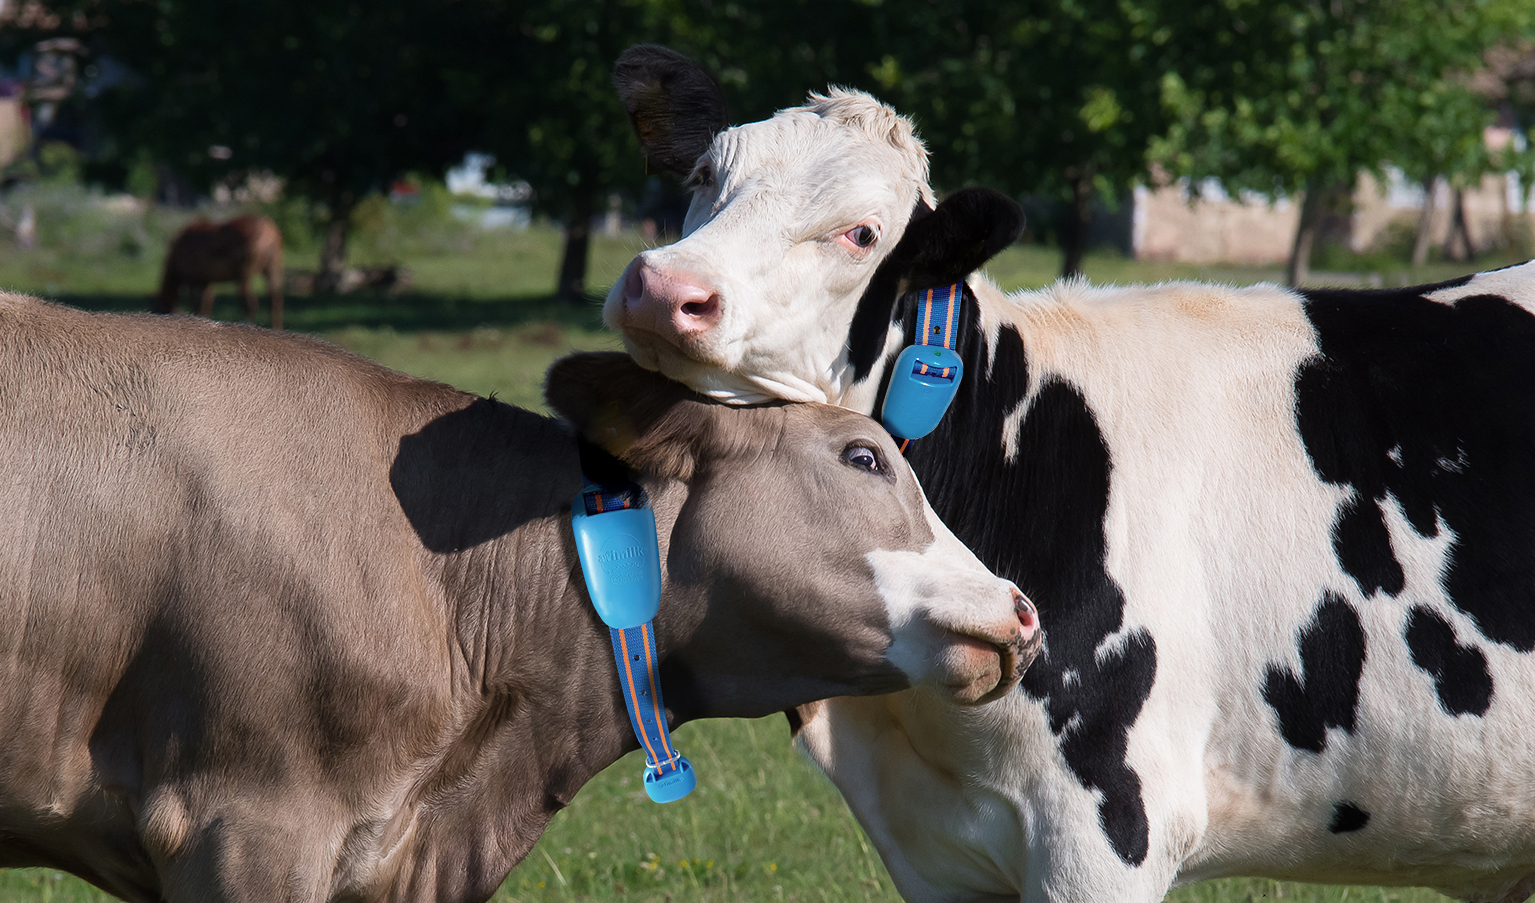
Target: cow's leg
(170, 293)
(205, 306)
(274, 288)
(248, 299)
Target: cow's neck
(1017, 467)
(1020, 471)
(536, 694)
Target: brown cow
(235, 251)
(277, 623)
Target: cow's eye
(863, 458)
(862, 236)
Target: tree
(1303, 95)
(554, 119)
(558, 123)
(1052, 99)
(335, 96)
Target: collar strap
(926, 374)
(621, 564)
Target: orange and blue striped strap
(938, 323)
(634, 651)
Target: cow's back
(1314, 511)
(198, 533)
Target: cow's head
(800, 558)
(796, 223)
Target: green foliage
(387, 230)
(563, 131)
(141, 179)
(335, 96)
(58, 163)
(1030, 98)
(1301, 92)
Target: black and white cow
(1282, 542)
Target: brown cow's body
(279, 624)
(234, 251)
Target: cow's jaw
(756, 300)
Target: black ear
(969, 228)
(676, 105)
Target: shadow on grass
(405, 312)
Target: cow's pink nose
(672, 305)
(1028, 616)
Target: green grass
(763, 825)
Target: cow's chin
(974, 672)
(698, 370)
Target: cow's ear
(642, 418)
(676, 105)
(969, 228)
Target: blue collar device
(621, 563)
(926, 375)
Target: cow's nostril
(634, 282)
(1028, 617)
(702, 309)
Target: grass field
(763, 826)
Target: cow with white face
(1282, 542)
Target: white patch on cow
(763, 235)
(1456, 466)
(1012, 426)
(1395, 454)
(1516, 283)
(943, 588)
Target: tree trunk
(1074, 226)
(333, 250)
(1420, 241)
(1312, 210)
(578, 235)
(1460, 230)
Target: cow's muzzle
(980, 667)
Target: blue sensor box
(621, 562)
(916, 402)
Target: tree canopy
(330, 94)
(1306, 94)
(1070, 100)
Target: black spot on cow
(1326, 693)
(1038, 519)
(1461, 678)
(940, 247)
(1347, 817)
(1433, 405)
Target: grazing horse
(206, 252)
